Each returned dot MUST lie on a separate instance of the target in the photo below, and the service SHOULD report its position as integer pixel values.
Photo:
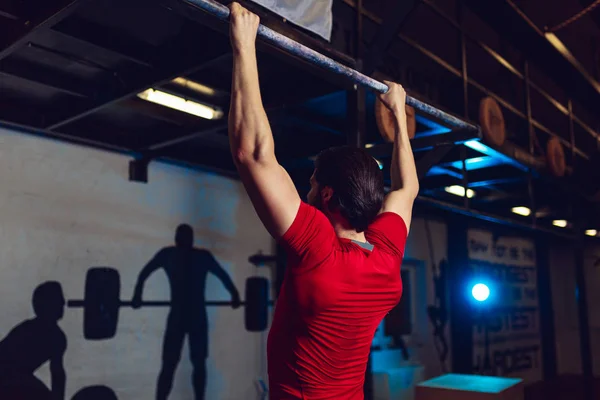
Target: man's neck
(350, 234)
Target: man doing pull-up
(345, 244)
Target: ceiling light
(591, 232)
(524, 211)
(561, 223)
(195, 86)
(459, 191)
(180, 104)
(369, 145)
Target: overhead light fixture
(180, 104)
(195, 86)
(369, 145)
(459, 191)
(591, 232)
(524, 211)
(561, 223)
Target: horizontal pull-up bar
(270, 36)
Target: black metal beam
(161, 113)
(431, 158)
(356, 116)
(189, 65)
(396, 13)
(93, 35)
(547, 330)
(10, 11)
(43, 77)
(461, 326)
(428, 142)
(44, 15)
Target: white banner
(512, 323)
(313, 15)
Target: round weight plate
(385, 121)
(556, 157)
(256, 314)
(492, 121)
(101, 303)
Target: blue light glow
(480, 292)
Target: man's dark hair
(184, 236)
(356, 181)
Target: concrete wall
(64, 209)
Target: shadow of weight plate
(102, 302)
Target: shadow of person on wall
(186, 268)
(31, 344)
(98, 392)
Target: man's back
(334, 296)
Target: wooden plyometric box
(470, 387)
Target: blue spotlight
(480, 292)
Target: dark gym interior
(133, 264)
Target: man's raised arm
(405, 183)
(269, 186)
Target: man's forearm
(250, 135)
(403, 170)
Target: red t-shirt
(334, 295)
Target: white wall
(64, 209)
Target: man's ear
(326, 195)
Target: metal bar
(531, 132)
(461, 328)
(65, 137)
(571, 131)
(431, 158)
(185, 138)
(307, 54)
(547, 329)
(154, 303)
(465, 174)
(112, 51)
(453, 208)
(43, 77)
(428, 142)
(463, 63)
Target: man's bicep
(399, 202)
(272, 193)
